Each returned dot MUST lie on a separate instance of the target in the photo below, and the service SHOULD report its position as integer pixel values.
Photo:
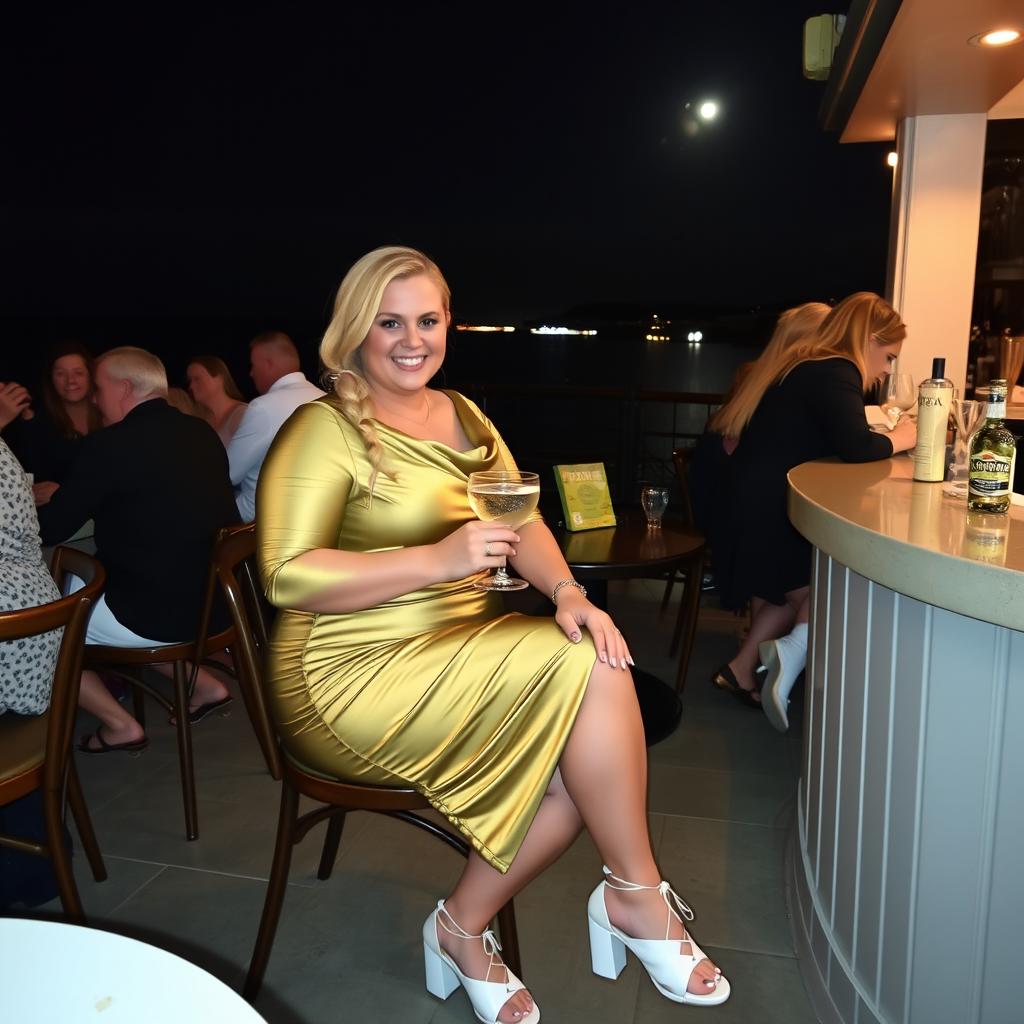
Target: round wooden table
(630, 550)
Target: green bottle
(992, 455)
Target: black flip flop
(110, 748)
(724, 679)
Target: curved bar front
(906, 869)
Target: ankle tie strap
(492, 947)
(681, 910)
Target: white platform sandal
(444, 977)
(669, 968)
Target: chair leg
(509, 938)
(275, 890)
(184, 730)
(60, 858)
(139, 706)
(677, 630)
(80, 812)
(689, 612)
(332, 841)
(666, 597)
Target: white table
(52, 973)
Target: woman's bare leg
(602, 780)
(604, 767)
(767, 622)
(482, 890)
(117, 724)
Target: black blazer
(157, 486)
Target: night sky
(232, 165)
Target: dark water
(483, 359)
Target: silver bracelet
(567, 583)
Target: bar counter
(904, 873)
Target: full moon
(708, 110)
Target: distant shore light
(708, 110)
(560, 330)
(484, 327)
(892, 159)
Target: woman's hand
(14, 402)
(904, 435)
(43, 492)
(574, 611)
(474, 547)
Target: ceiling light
(998, 37)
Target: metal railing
(633, 431)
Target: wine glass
(654, 501)
(967, 416)
(507, 497)
(898, 394)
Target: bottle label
(932, 420)
(989, 474)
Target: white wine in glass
(507, 497)
(897, 395)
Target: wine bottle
(993, 450)
(934, 400)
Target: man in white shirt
(275, 372)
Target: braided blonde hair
(356, 304)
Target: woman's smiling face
(406, 343)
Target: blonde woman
(215, 392)
(388, 667)
(805, 402)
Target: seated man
(156, 483)
(276, 374)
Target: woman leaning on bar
(805, 403)
(388, 668)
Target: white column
(933, 238)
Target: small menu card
(586, 500)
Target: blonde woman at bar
(389, 668)
(805, 403)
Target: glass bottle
(934, 399)
(993, 450)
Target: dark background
(179, 181)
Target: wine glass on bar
(967, 417)
(897, 395)
(507, 497)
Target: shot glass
(654, 500)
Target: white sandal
(669, 968)
(444, 977)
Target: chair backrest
(233, 569)
(681, 460)
(71, 613)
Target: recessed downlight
(997, 37)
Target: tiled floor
(721, 799)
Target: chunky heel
(444, 977)
(667, 964)
(607, 953)
(442, 981)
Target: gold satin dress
(438, 689)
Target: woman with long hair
(389, 667)
(214, 389)
(47, 442)
(805, 402)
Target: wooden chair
(233, 558)
(127, 664)
(689, 606)
(35, 751)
